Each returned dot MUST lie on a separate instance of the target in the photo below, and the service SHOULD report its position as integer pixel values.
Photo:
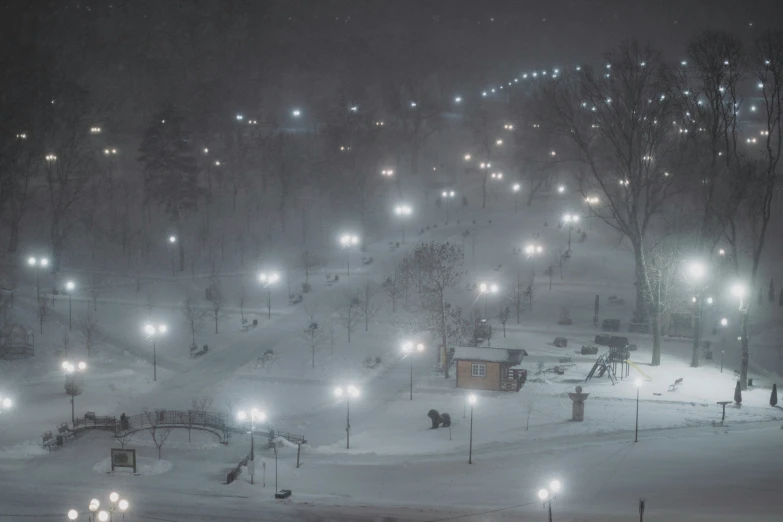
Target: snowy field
(686, 467)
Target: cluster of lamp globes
(269, 278)
(69, 367)
(549, 493)
(254, 415)
(42, 262)
(103, 515)
(5, 403)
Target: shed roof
(502, 355)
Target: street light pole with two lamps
(547, 495)
(347, 241)
(253, 415)
(69, 288)
(484, 289)
(570, 219)
(38, 264)
(447, 196)
(347, 392)
(404, 212)
(408, 350)
(268, 279)
(153, 331)
(72, 387)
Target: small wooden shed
(488, 368)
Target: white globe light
(70, 285)
(44, 261)
(724, 322)
(241, 415)
(471, 399)
(31, 261)
(123, 505)
(82, 365)
(338, 392)
(103, 516)
(353, 390)
(113, 496)
(73, 514)
(94, 504)
(543, 494)
(637, 382)
(162, 328)
(7, 403)
(555, 486)
(149, 329)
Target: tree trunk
(484, 192)
(13, 242)
(443, 335)
(697, 319)
(640, 312)
(745, 352)
(656, 351)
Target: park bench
(48, 441)
(367, 260)
(247, 325)
(673, 387)
(65, 431)
(294, 299)
(330, 279)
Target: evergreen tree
(738, 393)
(773, 399)
(771, 295)
(170, 172)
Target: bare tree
(367, 307)
(159, 435)
(193, 316)
(437, 262)
(123, 438)
(216, 302)
(612, 123)
(95, 289)
(767, 60)
(149, 301)
(313, 335)
(348, 311)
(661, 273)
(309, 263)
(43, 309)
(394, 287)
(503, 318)
(89, 332)
(517, 296)
(241, 298)
(196, 413)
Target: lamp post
(696, 273)
(404, 211)
(739, 290)
(516, 188)
(95, 513)
(532, 250)
(723, 322)
(547, 495)
(72, 388)
(347, 392)
(484, 289)
(447, 196)
(472, 402)
(37, 264)
(570, 219)
(638, 383)
(172, 242)
(268, 279)
(347, 241)
(408, 350)
(69, 287)
(153, 331)
(254, 415)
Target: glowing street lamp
(409, 348)
(172, 243)
(387, 173)
(496, 176)
(697, 271)
(347, 241)
(560, 189)
(268, 279)
(154, 331)
(296, 113)
(69, 288)
(487, 288)
(347, 392)
(724, 323)
(38, 264)
(6, 403)
(516, 188)
(447, 196)
(546, 495)
(102, 515)
(467, 157)
(403, 211)
(72, 387)
(253, 415)
(570, 219)
(472, 402)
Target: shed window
(478, 370)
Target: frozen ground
(687, 468)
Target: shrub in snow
(773, 399)
(738, 394)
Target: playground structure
(607, 365)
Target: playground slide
(639, 370)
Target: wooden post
(298, 451)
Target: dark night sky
(135, 52)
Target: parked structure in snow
(16, 341)
(488, 368)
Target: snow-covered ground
(687, 468)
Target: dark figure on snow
(435, 418)
(445, 420)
